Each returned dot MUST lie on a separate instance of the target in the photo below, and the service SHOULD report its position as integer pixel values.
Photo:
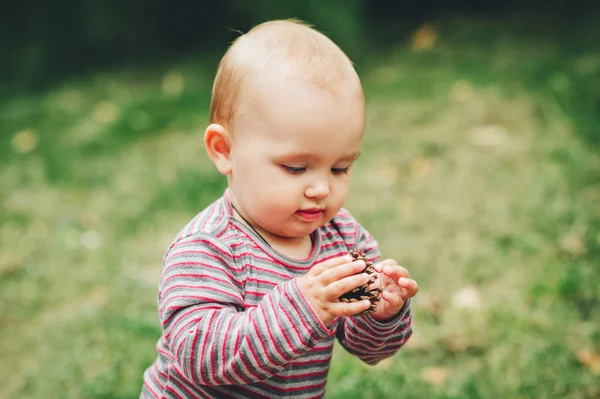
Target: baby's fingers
(330, 264)
(395, 272)
(340, 272)
(340, 287)
(408, 287)
(388, 262)
(349, 309)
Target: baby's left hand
(397, 288)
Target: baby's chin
(295, 234)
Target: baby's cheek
(330, 213)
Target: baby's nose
(319, 189)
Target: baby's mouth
(310, 214)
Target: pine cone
(364, 291)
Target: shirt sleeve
(363, 336)
(213, 339)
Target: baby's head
(286, 122)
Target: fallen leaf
(173, 84)
(90, 239)
(461, 91)
(385, 364)
(573, 243)
(418, 342)
(435, 375)
(387, 174)
(467, 298)
(488, 136)
(420, 167)
(24, 141)
(105, 112)
(424, 38)
(385, 74)
(590, 359)
(10, 262)
(432, 305)
(466, 242)
(406, 205)
(456, 343)
(88, 219)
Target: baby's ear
(216, 141)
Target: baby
(249, 295)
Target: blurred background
(480, 173)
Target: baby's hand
(397, 288)
(327, 281)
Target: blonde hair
(287, 46)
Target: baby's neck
(296, 248)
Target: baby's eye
(339, 171)
(293, 169)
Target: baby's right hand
(327, 281)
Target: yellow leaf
(467, 298)
(385, 364)
(488, 136)
(435, 375)
(420, 167)
(456, 343)
(90, 239)
(88, 219)
(590, 359)
(387, 174)
(418, 342)
(406, 205)
(173, 84)
(432, 305)
(461, 91)
(24, 141)
(573, 243)
(424, 38)
(105, 112)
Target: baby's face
(292, 154)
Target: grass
(479, 173)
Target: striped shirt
(235, 323)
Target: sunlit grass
(475, 175)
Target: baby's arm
(212, 337)
(365, 337)
(371, 340)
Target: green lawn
(480, 173)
